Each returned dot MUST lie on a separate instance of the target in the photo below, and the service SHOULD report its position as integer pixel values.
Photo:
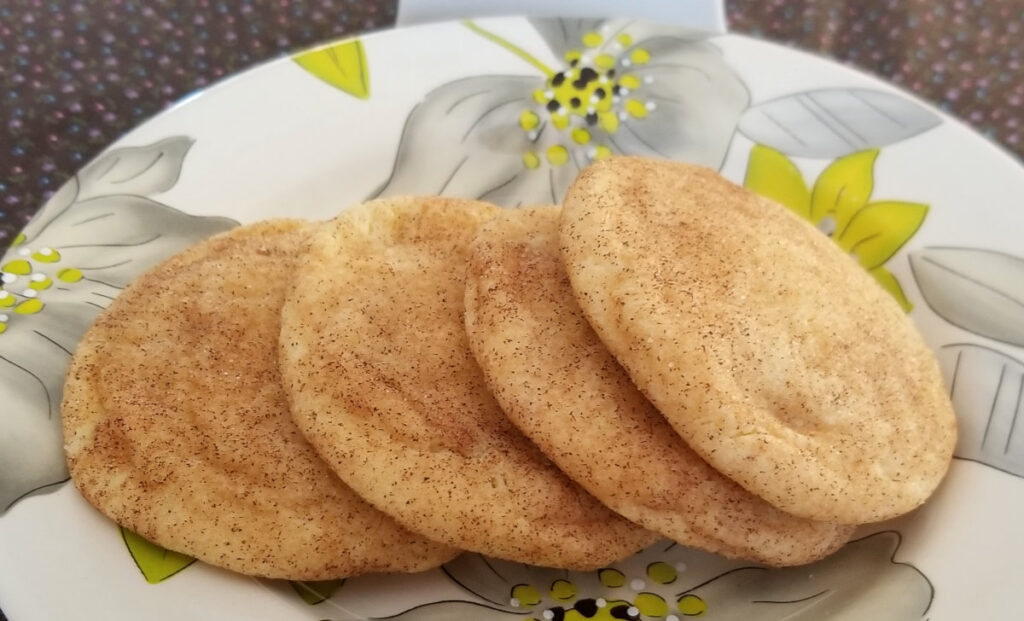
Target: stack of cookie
(666, 355)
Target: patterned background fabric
(75, 75)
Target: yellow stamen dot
(662, 573)
(609, 121)
(580, 135)
(630, 81)
(636, 108)
(558, 155)
(611, 578)
(639, 56)
(538, 96)
(40, 285)
(46, 255)
(6, 299)
(20, 267)
(3, 328)
(692, 606)
(592, 39)
(528, 120)
(561, 121)
(605, 61)
(29, 307)
(531, 160)
(19, 240)
(650, 605)
(572, 55)
(602, 152)
(69, 274)
(563, 590)
(624, 39)
(526, 594)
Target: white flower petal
(698, 99)
(464, 140)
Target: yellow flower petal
(605, 61)
(580, 136)
(624, 39)
(878, 230)
(41, 284)
(602, 152)
(843, 188)
(20, 267)
(561, 121)
(342, 65)
(530, 159)
(526, 594)
(6, 299)
(692, 606)
(528, 120)
(772, 175)
(636, 108)
(662, 573)
(557, 155)
(639, 56)
(608, 121)
(630, 81)
(592, 39)
(563, 590)
(3, 328)
(46, 255)
(29, 307)
(890, 284)
(539, 96)
(650, 605)
(611, 578)
(69, 274)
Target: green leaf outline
(315, 592)
(890, 238)
(343, 65)
(844, 188)
(155, 562)
(773, 175)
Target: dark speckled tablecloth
(76, 75)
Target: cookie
(560, 385)
(774, 354)
(176, 425)
(381, 380)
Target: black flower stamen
(575, 102)
(553, 105)
(558, 79)
(591, 118)
(586, 607)
(600, 93)
(579, 84)
(587, 74)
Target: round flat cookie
(176, 425)
(381, 380)
(559, 384)
(775, 355)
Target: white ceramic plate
(463, 109)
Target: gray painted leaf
(831, 123)
(978, 290)
(987, 390)
(861, 581)
(149, 169)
